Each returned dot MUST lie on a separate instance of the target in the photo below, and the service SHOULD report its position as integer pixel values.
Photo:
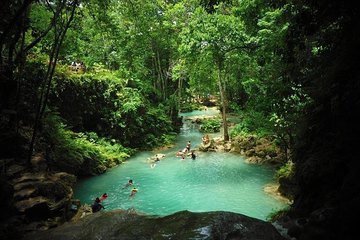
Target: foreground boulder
(122, 224)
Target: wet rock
(227, 147)
(83, 211)
(205, 147)
(122, 224)
(273, 190)
(215, 145)
(250, 152)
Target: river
(212, 182)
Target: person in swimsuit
(179, 153)
(193, 156)
(129, 183)
(188, 145)
(133, 192)
(103, 197)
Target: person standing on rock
(205, 139)
(188, 146)
(193, 156)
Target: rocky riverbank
(255, 150)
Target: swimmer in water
(103, 197)
(133, 192)
(179, 153)
(129, 183)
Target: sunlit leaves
(131, 100)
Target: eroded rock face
(38, 196)
(182, 225)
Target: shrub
(210, 125)
(285, 171)
(80, 153)
(190, 106)
(276, 214)
(252, 122)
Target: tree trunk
(160, 75)
(180, 83)
(59, 38)
(223, 104)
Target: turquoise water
(214, 181)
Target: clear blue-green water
(212, 182)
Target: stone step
(23, 185)
(23, 205)
(24, 193)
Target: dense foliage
(288, 69)
(133, 80)
(210, 125)
(106, 104)
(322, 57)
(125, 69)
(79, 153)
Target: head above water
(130, 181)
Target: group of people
(185, 151)
(77, 65)
(157, 159)
(134, 190)
(97, 206)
